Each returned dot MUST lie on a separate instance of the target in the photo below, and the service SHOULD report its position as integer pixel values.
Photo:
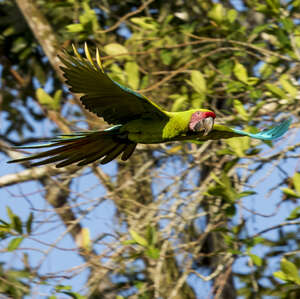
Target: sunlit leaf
(115, 49)
(294, 214)
(75, 28)
(138, 238)
(289, 272)
(198, 81)
(133, 75)
(57, 99)
(240, 72)
(289, 192)
(276, 90)
(145, 22)
(296, 182)
(231, 15)
(153, 252)
(44, 98)
(239, 107)
(217, 13)
(256, 259)
(239, 145)
(288, 86)
(14, 243)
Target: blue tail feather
(270, 134)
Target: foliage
(181, 215)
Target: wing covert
(117, 104)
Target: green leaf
(138, 239)
(217, 13)
(240, 72)
(226, 67)
(128, 242)
(288, 24)
(294, 214)
(239, 145)
(17, 224)
(257, 240)
(246, 193)
(147, 23)
(153, 252)
(116, 49)
(296, 181)
(133, 76)
(10, 214)
(166, 57)
(5, 228)
(235, 86)
(255, 259)
(151, 231)
(198, 82)
(14, 243)
(288, 86)
(280, 275)
(252, 81)
(289, 192)
(89, 18)
(44, 98)
(239, 107)
(290, 270)
(276, 90)
(61, 287)
(75, 28)
(56, 99)
(117, 74)
(274, 5)
(231, 15)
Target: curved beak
(205, 124)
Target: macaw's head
(202, 121)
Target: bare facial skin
(202, 121)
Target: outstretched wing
(108, 99)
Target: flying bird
(136, 119)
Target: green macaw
(136, 120)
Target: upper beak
(205, 124)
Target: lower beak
(206, 125)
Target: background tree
(183, 220)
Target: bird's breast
(153, 131)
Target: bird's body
(147, 131)
(136, 120)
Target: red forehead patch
(209, 114)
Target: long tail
(82, 148)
